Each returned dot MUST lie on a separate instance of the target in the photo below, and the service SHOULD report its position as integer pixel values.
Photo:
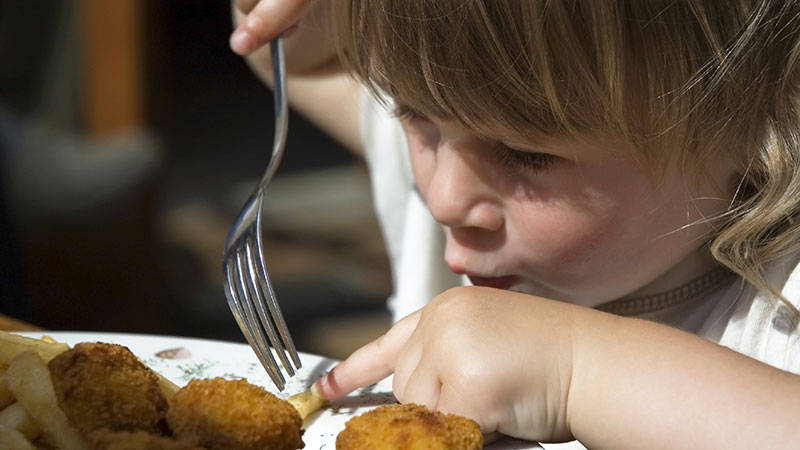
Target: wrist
(592, 351)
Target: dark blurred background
(130, 136)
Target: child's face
(576, 221)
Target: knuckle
(451, 299)
(459, 303)
(382, 348)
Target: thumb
(264, 22)
(369, 364)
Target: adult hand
(264, 20)
(501, 358)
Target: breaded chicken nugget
(136, 440)
(221, 414)
(409, 426)
(103, 385)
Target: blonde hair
(678, 80)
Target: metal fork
(247, 283)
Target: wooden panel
(112, 65)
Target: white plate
(182, 359)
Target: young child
(578, 167)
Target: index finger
(369, 364)
(267, 20)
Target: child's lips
(504, 282)
(493, 282)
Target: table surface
(11, 324)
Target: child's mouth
(493, 282)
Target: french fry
(6, 397)
(30, 382)
(15, 416)
(14, 440)
(11, 344)
(306, 403)
(168, 388)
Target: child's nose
(460, 194)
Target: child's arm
(546, 370)
(317, 87)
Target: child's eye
(519, 160)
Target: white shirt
(414, 240)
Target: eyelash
(512, 159)
(523, 161)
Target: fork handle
(281, 107)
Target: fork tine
(254, 329)
(235, 303)
(247, 326)
(259, 278)
(280, 325)
(272, 302)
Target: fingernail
(241, 42)
(317, 387)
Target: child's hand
(550, 371)
(501, 358)
(263, 21)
